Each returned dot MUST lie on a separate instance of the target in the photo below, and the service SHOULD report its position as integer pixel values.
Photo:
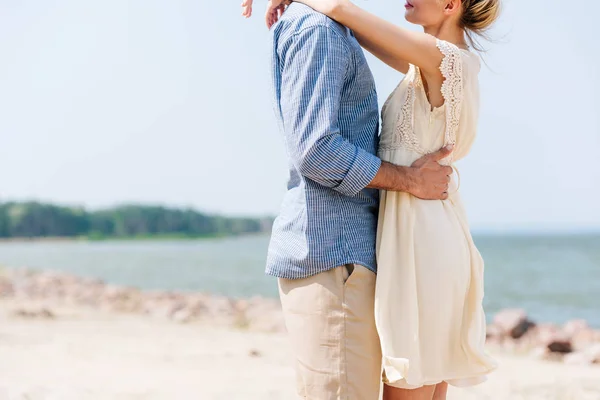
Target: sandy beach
(81, 353)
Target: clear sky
(111, 101)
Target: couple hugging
(379, 278)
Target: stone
(242, 305)
(493, 331)
(46, 313)
(554, 339)
(182, 316)
(593, 352)
(513, 322)
(572, 327)
(583, 338)
(174, 306)
(540, 353)
(544, 333)
(560, 343)
(158, 310)
(254, 353)
(219, 306)
(6, 287)
(197, 306)
(43, 313)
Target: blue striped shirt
(326, 105)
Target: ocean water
(555, 278)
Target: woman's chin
(408, 15)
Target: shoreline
(141, 238)
(35, 294)
(483, 234)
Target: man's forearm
(394, 177)
(425, 178)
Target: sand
(86, 354)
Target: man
(323, 242)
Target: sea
(555, 278)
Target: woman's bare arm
(393, 44)
(398, 64)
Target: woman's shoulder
(458, 61)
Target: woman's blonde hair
(477, 17)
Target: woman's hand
(276, 7)
(246, 8)
(274, 10)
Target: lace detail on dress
(452, 88)
(452, 92)
(404, 134)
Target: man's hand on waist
(425, 178)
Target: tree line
(34, 219)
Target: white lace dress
(429, 293)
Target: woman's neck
(448, 32)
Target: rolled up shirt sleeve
(315, 62)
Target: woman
(429, 291)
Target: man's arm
(315, 63)
(425, 178)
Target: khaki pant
(330, 321)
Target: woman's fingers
(247, 8)
(271, 18)
(273, 9)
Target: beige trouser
(330, 321)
